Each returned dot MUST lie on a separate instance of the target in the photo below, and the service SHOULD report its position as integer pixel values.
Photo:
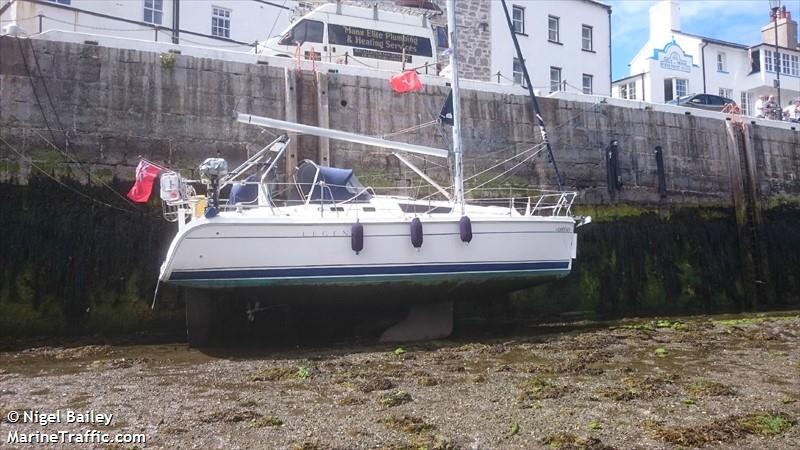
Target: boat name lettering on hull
(333, 233)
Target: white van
(364, 37)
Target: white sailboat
(333, 232)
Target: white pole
(458, 181)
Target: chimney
(665, 16)
(787, 30)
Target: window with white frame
(745, 103)
(768, 63)
(518, 19)
(588, 84)
(785, 66)
(681, 87)
(586, 38)
(724, 92)
(220, 22)
(153, 11)
(794, 68)
(555, 79)
(628, 91)
(519, 78)
(722, 63)
(552, 29)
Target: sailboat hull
(278, 253)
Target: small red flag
(407, 81)
(146, 173)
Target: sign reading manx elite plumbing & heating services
(380, 44)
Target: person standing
(772, 110)
(792, 112)
(759, 107)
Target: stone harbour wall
(118, 105)
(74, 266)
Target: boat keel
(424, 322)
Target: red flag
(407, 81)
(146, 173)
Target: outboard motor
(211, 170)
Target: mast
(534, 102)
(458, 177)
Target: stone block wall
(119, 105)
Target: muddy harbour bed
(713, 382)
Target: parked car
(703, 101)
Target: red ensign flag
(407, 81)
(146, 173)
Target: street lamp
(774, 5)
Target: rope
(87, 171)
(64, 152)
(66, 186)
(46, 91)
(33, 87)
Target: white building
(566, 44)
(225, 24)
(673, 63)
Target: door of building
(668, 89)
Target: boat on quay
(325, 236)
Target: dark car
(703, 101)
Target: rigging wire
(508, 172)
(535, 147)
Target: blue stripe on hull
(369, 274)
(530, 278)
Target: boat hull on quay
(287, 253)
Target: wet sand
(713, 382)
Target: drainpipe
(610, 78)
(176, 20)
(643, 96)
(703, 63)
